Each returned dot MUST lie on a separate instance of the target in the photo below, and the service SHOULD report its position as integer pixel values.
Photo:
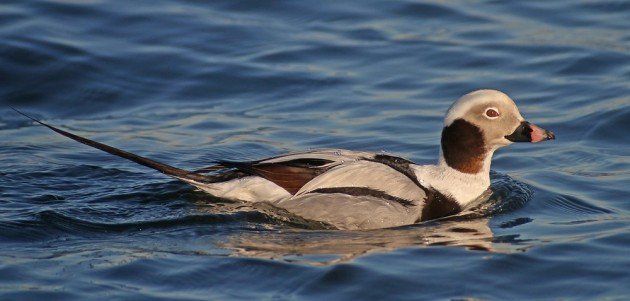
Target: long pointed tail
(161, 167)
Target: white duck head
(479, 123)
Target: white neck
(463, 187)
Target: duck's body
(339, 187)
(361, 190)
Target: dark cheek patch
(463, 146)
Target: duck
(357, 190)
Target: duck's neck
(463, 170)
(482, 166)
(462, 187)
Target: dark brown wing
(290, 175)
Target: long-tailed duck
(361, 190)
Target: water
(186, 82)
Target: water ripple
(189, 82)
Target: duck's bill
(529, 132)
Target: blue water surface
(186, 82)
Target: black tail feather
(161, 167)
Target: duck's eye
(492, 113)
